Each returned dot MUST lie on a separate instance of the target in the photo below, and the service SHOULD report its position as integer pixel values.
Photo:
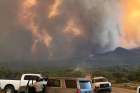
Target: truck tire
(9, 89)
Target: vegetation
(116, 74)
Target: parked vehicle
(101, 84)
(69, 85)
(29, 88)
(10, 86)
(138, 89)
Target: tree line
(116, 74)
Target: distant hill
(118, 57)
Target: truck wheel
(9, 89)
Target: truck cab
(26, 77)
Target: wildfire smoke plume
(56, 24)
(27, 17)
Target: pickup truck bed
(15, 83)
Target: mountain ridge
(118, 57)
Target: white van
(69, 85)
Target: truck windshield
(85, 85)
(100, 80)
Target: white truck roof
(32, 74)
(98, 77)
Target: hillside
(119, 57)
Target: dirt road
(122, 90)
(118, 90)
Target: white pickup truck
(101, 84)
(10, 86)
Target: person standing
(38, 86)
(44, 83)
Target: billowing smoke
(63, 29)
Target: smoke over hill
(42, 30)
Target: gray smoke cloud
(99, 20)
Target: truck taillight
(78, 90)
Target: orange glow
(131, 24)
(72, 28)
(29, 3)
(47, 39)
(27, 17)
(54, 9)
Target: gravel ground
(122, 90)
